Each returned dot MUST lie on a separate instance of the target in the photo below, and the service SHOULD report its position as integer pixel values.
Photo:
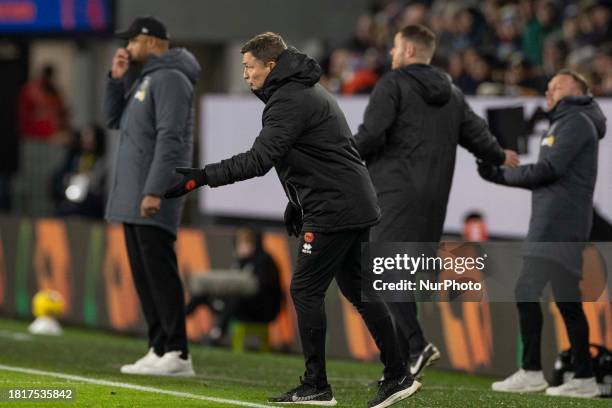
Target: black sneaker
(307, 394)
(427, 357)
(392, 391)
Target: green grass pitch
(247, 377)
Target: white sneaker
(170, 364)
(45, 325)
(576, 387)
(522, 381)
(148, 360)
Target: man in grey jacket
(154, 114)
(562, 182)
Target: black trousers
(323, 257)
(159, 287)
(405, 314)
(409, 333)
(537, 272)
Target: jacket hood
(292, 66)
(175, 58)
(580, 104)
(433, 85)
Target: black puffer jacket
(411, 128)
(305, 136)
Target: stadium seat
(240, 330)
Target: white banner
(229, 124)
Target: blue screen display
(55, 16)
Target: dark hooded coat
(411, 128)
(306, 138)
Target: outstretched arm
(283, 123)
(566, 145)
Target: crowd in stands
(491, 47)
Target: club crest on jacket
(548, 140)
(141, 94)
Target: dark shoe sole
(400, 395)
(432, 359)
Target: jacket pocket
(294, 197)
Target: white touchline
(131, 386)
(15, 336)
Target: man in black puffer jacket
(411, 128)
(332, 205)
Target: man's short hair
(265, 46)
(422, 36)
(578, 78)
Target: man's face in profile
(559, 87)
(139, 47)
(255, 71)
(397, 52)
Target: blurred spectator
(601, 18)
(43, 126)
(363, 75)
(78, 185)
(477, 70)
(554, 56)
(606, 85)
(521, 79)
(537, 29)
(41, 111)
(261, 307)
(507, 33)
(443, 24)
(470, 29)
(414, 13)
(570, 28)
(362, 38)
(454, 66)
(602, 70)
(475, 228)
(478, 39)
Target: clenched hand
(512, 159)
(149, 206)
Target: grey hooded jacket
(155, 117)
(562, 182)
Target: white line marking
(15, 336)
(131, 386)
